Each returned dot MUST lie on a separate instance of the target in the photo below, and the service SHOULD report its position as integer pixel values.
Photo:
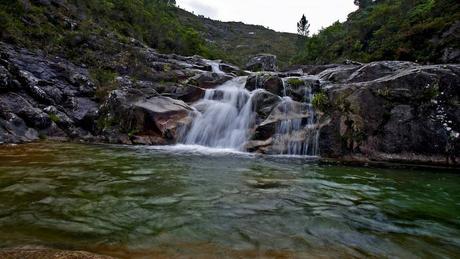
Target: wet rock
(270, 82)
(300, 88)
(41, 252)
(263, 62)
(264, 102)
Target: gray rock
(262, 62)
(270, 82)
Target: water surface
(192, 201)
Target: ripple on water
(177, 201)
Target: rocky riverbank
(382, 111)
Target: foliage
(413, 30)
(48, 27)
(295, 82)
(105, 82)
(303, 27)
(54, 118)
(320, 101)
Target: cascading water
(224, 118)
(298, 136)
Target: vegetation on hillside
(60, 27)
(415, 30)
(57, 26)
(237, 41)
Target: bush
(105, 82)
(320, 102)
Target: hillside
(238, 41)
(426, 31)
(66, 28)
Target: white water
(298, 136)
(215, 66)
(225, 117)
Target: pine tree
(303, 27)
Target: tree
(303, 27)
(363, 3)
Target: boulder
(377, 70)
(270, 82)
(262, 62)
(264, 102)
(395, 110)
(145, 118)
(208, 80)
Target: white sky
(279, 15)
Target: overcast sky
(279, 15)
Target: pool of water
(192, 201)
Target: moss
(430, 92)
(54, 118)
(106, 122)
(385, 92)
(133, 132)
(295, 82)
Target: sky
(279, 15)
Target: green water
(149, 202)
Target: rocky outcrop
(136, 114)
(49, 97)
(270, 82)
(42, 96)
(394, 111)
(381, 111)
(263, 62)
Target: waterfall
(224, 118)
(215, 66)
(298, 136)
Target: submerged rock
(39, 252)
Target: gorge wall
(381, 111)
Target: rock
(262, 62)
(377, 70)
(264, 102)
(208, 80)
(300, 88)
(338, 74)
(269, 82)
(41, 252)
(150, 119)
(261, 146)
(286, 110)
(51, 95)
(394, 109)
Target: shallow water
(200, 202)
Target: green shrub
(320, 102)
(105, 82)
